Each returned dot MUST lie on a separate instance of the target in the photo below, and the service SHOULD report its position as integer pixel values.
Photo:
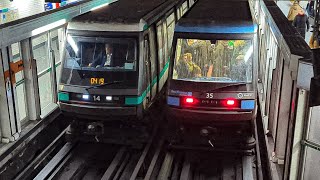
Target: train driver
(104, 57)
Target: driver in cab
(104, 58)
(187, 68)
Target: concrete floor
(285, 6)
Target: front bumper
(97, 112)
(206, 116)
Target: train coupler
(208, 133)
(94, 128)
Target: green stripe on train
(139, 99)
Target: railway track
(154, 161)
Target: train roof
(131, 15)
(217, 16)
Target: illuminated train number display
(94, 81)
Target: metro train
(213, 72)
(115, 62)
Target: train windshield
(223, 61)
(101, 54)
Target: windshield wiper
(228, 85)
(105, 84)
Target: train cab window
(101, 54)
(213, 60)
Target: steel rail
(56, 160)
(39, 159)
(114, 164)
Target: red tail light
(190, 101)
(230, 103)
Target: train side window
(178, 13)
(184, 7)
(170, 30)
(165, 42)
(160, 43)
(147, 56)
(153, 52)
(151, 58)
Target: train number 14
(209, 95)
(96, 98)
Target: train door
(147, 62)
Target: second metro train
(213, 72)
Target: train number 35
(209, 95)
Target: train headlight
(85, 96)
(109, 98)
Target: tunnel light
(109, 98)
(48, 27)
(98, 7)
(85, 96)
(72, 43)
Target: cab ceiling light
(48, 27)
(72, 44)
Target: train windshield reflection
(222, 61)
(101, 54)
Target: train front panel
(100, 76)
(213, 80)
